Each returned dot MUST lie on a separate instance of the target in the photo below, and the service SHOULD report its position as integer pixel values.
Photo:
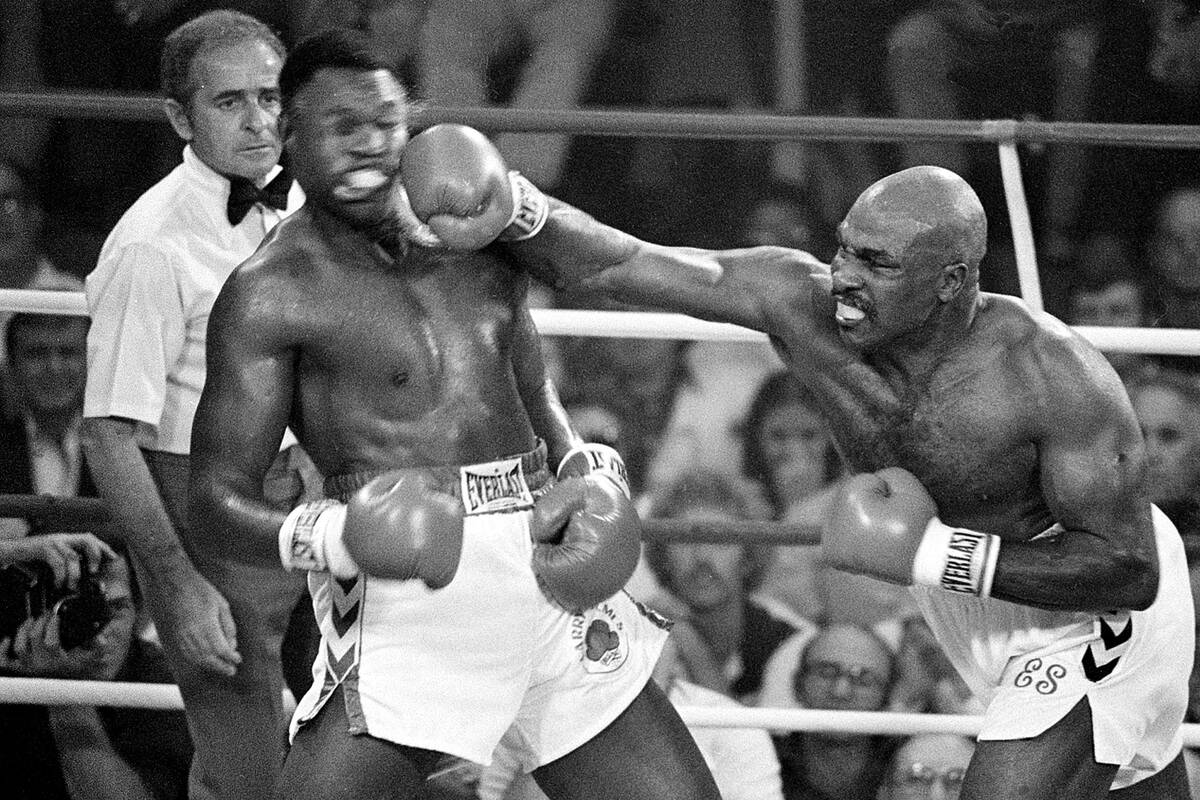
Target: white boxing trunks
(452, 669)
(1031, 666)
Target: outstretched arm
(239, 424)
(575, 251)
(459, 186)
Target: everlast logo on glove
(964, 561)
(495, 487)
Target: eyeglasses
(920, 775)
(858, 677)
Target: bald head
(936, 206)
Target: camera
(28, 590)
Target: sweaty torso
(403, 363)
(966, 427)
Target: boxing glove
(595, 458)
(458, 185)
(884, 524)
(399, 525)
(588, 541)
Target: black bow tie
(243, 194)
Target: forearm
(124, 481)
(231, 518)
(92, 768)
(574, 251)
(551, 423)
(1076, 571)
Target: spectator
(1105, 290)
(22, 139)
(636, 381)
(1174, 258)
(1167, 405)
(23, 263)
(1011, 59)
(40, 450)
(150, 295)
(549, 46)
(1174, 58)
(840, 667)
(786, 450)
(725, 630)
(926, 681)
(783, 216)
(78, 751)
(928, 766)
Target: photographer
(77, 751)
(66, 601)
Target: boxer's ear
(177, 116)
(952, 279)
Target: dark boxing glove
(588, 541)
(458, 185)
(884, 524)
(399, 525)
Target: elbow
(1138, 578)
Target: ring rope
(698, 123)
(165, 696)
(1022, 225)
(654, 325)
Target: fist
(458, 185)
(588, 541)
(401, 526)
(876, 523)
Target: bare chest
(967, 439)
(411, 340)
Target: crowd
(709, 431)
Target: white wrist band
(530, 210)
(311, 538)
(598, 458)
(956, 559)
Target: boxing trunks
(1030, 666)
(452, 669)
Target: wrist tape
(589, 457)
(311, 538)
(530, 210)
(956, 559)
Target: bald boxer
(466, 564)
(1001, 472)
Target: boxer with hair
(1001, 472)
(468, 559)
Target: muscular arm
(1092, 466)
(239, 424)
(741, 287)
(542, 403)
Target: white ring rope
(647, 325)
(56, 692)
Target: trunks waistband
(506, 484)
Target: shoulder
(157, 210)
(274, 281)
(1054, 368)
